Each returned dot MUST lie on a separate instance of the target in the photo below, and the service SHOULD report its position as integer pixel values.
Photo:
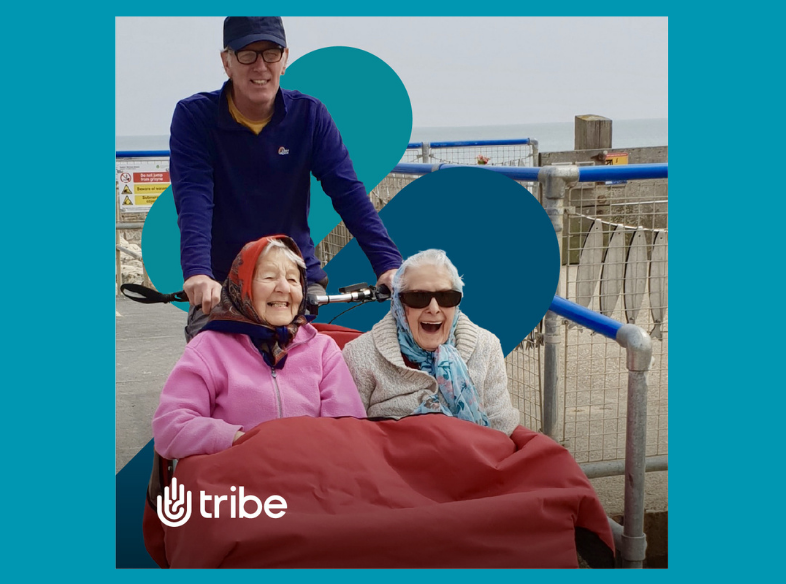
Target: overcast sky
(458, 71)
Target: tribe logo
(283, 151)
(174, 507)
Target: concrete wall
(607, 202)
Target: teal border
(59, 381)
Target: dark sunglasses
(445, 298)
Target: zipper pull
(273, 371)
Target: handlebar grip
(383, 293)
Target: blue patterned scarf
(457, 395)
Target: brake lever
(382, 293)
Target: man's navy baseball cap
(240, 31)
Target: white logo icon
(282, 151)
(177, 509)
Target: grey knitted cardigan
(390, 389)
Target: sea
(551, 137)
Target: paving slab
(149, 340)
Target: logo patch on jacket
(283, 151)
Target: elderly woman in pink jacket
(256, 360)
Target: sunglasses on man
(418, 299)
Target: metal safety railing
(630, 539)
(514, 152)
(578, 173)
(142, 154)
(517, 152)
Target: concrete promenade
(149, 341)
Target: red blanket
(422, 492)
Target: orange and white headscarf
(235, 312)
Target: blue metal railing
(411, 145)
(623, 172)
(585, 317)
(141, 153)
(586, 173)
(465, 143)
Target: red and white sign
(151, 177)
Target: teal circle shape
(493, 230)
(161, 246)
(372, 110)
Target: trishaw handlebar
(356, 293)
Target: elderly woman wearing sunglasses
(425, 356)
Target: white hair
(429, 257)
(288, 253)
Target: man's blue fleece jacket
(231, 186)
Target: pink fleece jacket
(221, 385)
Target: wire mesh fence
(522, 154)
(524, 367)
(616, 251)
(380, 196)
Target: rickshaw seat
(341, 334)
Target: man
(240, 164)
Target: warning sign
(149, 189)
(616, 158)
(140, 181)
(151, 177)
(145, 199)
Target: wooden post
(592, 132)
